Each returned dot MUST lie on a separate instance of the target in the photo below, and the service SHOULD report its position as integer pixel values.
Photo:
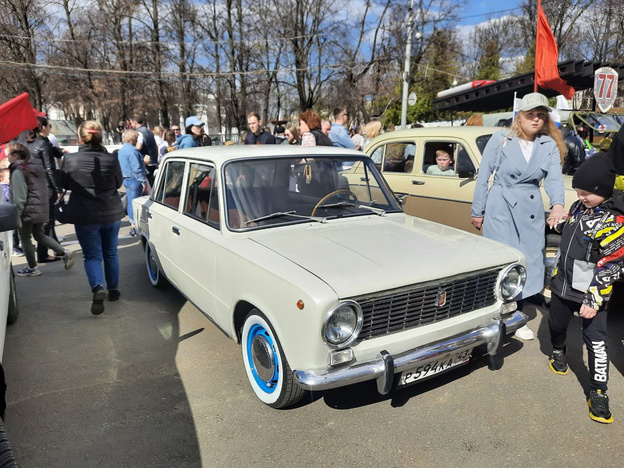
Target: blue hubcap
(262, 358)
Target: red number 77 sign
(605, 87)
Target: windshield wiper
(279, 214)
(345, 204)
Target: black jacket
(93, 176)
(576, 153)
(591, 254)
(29, 193)
(42, 153)
(149, 148)
(321, 138)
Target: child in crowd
(29, 194)
(591, 258)
(5, 180)
(444, 163)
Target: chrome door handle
(418, 182)
(175, 230)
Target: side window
(200, 193)
(399, 157)
(170, 190)
(445, 158)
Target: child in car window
(444, 164)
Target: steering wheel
(348, 193)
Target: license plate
(435, 367)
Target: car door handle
(363, 179)
(149, 215)
(418, 182)
(175, 230)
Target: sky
(478, 11)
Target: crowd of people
(507, 205)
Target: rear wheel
(13, 311)
(153, 270)
(267, 369)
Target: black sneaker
(113, 295)
(97, 306)
(598, 404)
(558, 362)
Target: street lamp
(406, 70)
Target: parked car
(305, 257)
(404, 157)
(9, 220)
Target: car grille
(418, 305)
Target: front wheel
(268, 371)
(153, 270)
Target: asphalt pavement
(152, 383)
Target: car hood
(364, 255)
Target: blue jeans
(99, 243)
(134, 189)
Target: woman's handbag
(61, 209)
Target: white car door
(163, 215)
(197, 237)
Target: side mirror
(9, 219)
(401, 197)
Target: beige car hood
(364, 255)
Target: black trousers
(48, 229)
(594, 336)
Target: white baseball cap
(533, 100)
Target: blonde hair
(475, 120)
(158, 130)
(90, 133)
(443, 152)
(130, 135)
(549, 128)
(372, 129)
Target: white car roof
(221, 154)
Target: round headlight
(342, 324)
(512, 282)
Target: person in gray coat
(512, 210)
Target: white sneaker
(525, 333)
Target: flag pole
(539, 6)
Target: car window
(447, 158)
(265, 192)
(482, 141)
(399, 157)
(170, 190)
(201, 190)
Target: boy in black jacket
(590, 260)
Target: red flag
(547, 58)
(16, 116)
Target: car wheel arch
(241, 310)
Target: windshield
(600, 122)
(268, 192)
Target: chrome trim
(358, 324)
(523, 274)
(379, 368)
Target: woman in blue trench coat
(512, 211)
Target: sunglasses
(175, 129)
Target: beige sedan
(405, 156)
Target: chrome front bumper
(384, 366)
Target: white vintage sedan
(304, 257)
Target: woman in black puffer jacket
(29, 194)
(94, 176)
(42, 153)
